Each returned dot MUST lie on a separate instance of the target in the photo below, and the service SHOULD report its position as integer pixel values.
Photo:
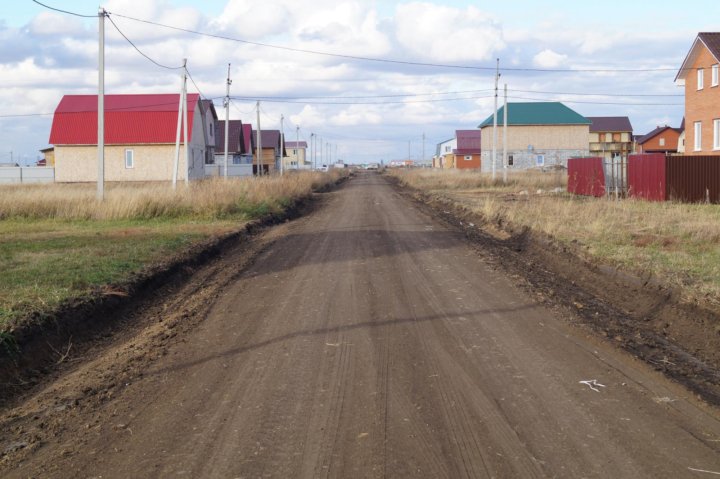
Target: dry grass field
(679, 244)
(57, 242)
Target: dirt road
(369, 340)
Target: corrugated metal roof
(537, 113)
(235, 137)
(294, 144)
(468, 141)
(129, 119)
(655, 132)
(610, 124)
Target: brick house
(700, 75)
(663, 139)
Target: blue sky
(45, 55)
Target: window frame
(716, 134)
(700, 78)
(697, 136)
(468, 157)
(132, 158)
(715, 77)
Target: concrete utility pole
(282, 144)
(259, 142)
(321, 151)
(176, 164)
(505, 123)
(422, 160)
(297, 148)
(336, 152)
(101, 106)
(312, 151)
(227, 120)
(185, 127)
(495, 135)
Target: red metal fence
(647, 177)
(690, 179)
(586, 176)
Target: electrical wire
(629, 95)
(202, 95)
(595, 102)
(358, 57)
(395, 61)
(64, 11)
(273, 100)
(140, 51)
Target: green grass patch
(46, 262)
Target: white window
(447, 148)
(468, 157)
(662, 141)
(716, 134)
(701, 77)
(540, 160)
(715, 79)
(129, 159)
(698, 136)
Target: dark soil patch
(49, 344)
(641, 315)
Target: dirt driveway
(369, 340)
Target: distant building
(610, 137)
(48, 158)
(444, 153)
(297, 157)
(700, 75)
(271, 154)
(140, 133)
(542, 134)
(663, 139)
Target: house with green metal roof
(539, 135)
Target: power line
(394, 61)
(196, 86)
(602, 94)
(435, 100)
(140, 51)
(64, 11)
(596, 102)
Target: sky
(367, 110)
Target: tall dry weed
(210, 198)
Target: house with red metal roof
(461, 152)
(467, 155)
(700, 75)
(140, 133)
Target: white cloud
(51, 23)
(549, 59)
(448, 34)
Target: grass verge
(57, 242)
(678, 244)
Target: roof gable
(129, 119)
(537, 113)
(660, 129)
(235, 137)
(707, 40)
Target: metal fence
(26, 174)
(689, 179)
